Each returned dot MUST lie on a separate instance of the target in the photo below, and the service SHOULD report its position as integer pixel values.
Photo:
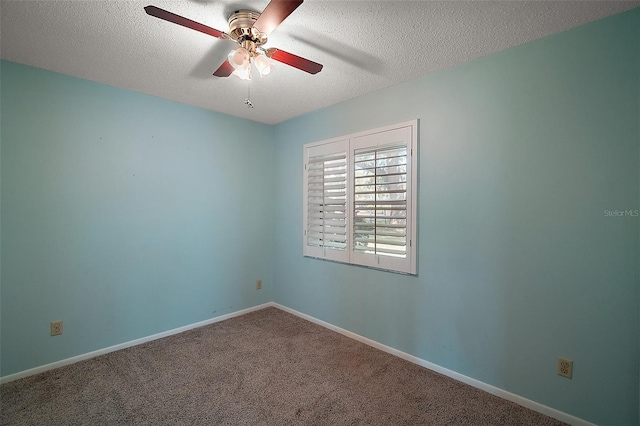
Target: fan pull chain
(247, 101)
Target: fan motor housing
(242, 31)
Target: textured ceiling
(363, 45)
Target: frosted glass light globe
(239, 58)
(264, 65)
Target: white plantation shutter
(380, 200)
(327, 201)
(326, 219)
(360, 198)
(382, 185)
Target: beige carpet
(263, 368)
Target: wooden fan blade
(294, 60)
(273, 15)
(224, 70)
(180, 20)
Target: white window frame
(377, 138)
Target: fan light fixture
(249, 30)
(241, 60)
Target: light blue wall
(521, 153)
(123, 215)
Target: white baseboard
(543, 409)
(532, 405)
(73, 360)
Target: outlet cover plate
(56, 328)
(565, 367)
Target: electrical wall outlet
(258, 284)
(565, 367)
(56, 328)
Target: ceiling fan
(249, 30)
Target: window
(360, 198)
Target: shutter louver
(380, 200)
(327, 201)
